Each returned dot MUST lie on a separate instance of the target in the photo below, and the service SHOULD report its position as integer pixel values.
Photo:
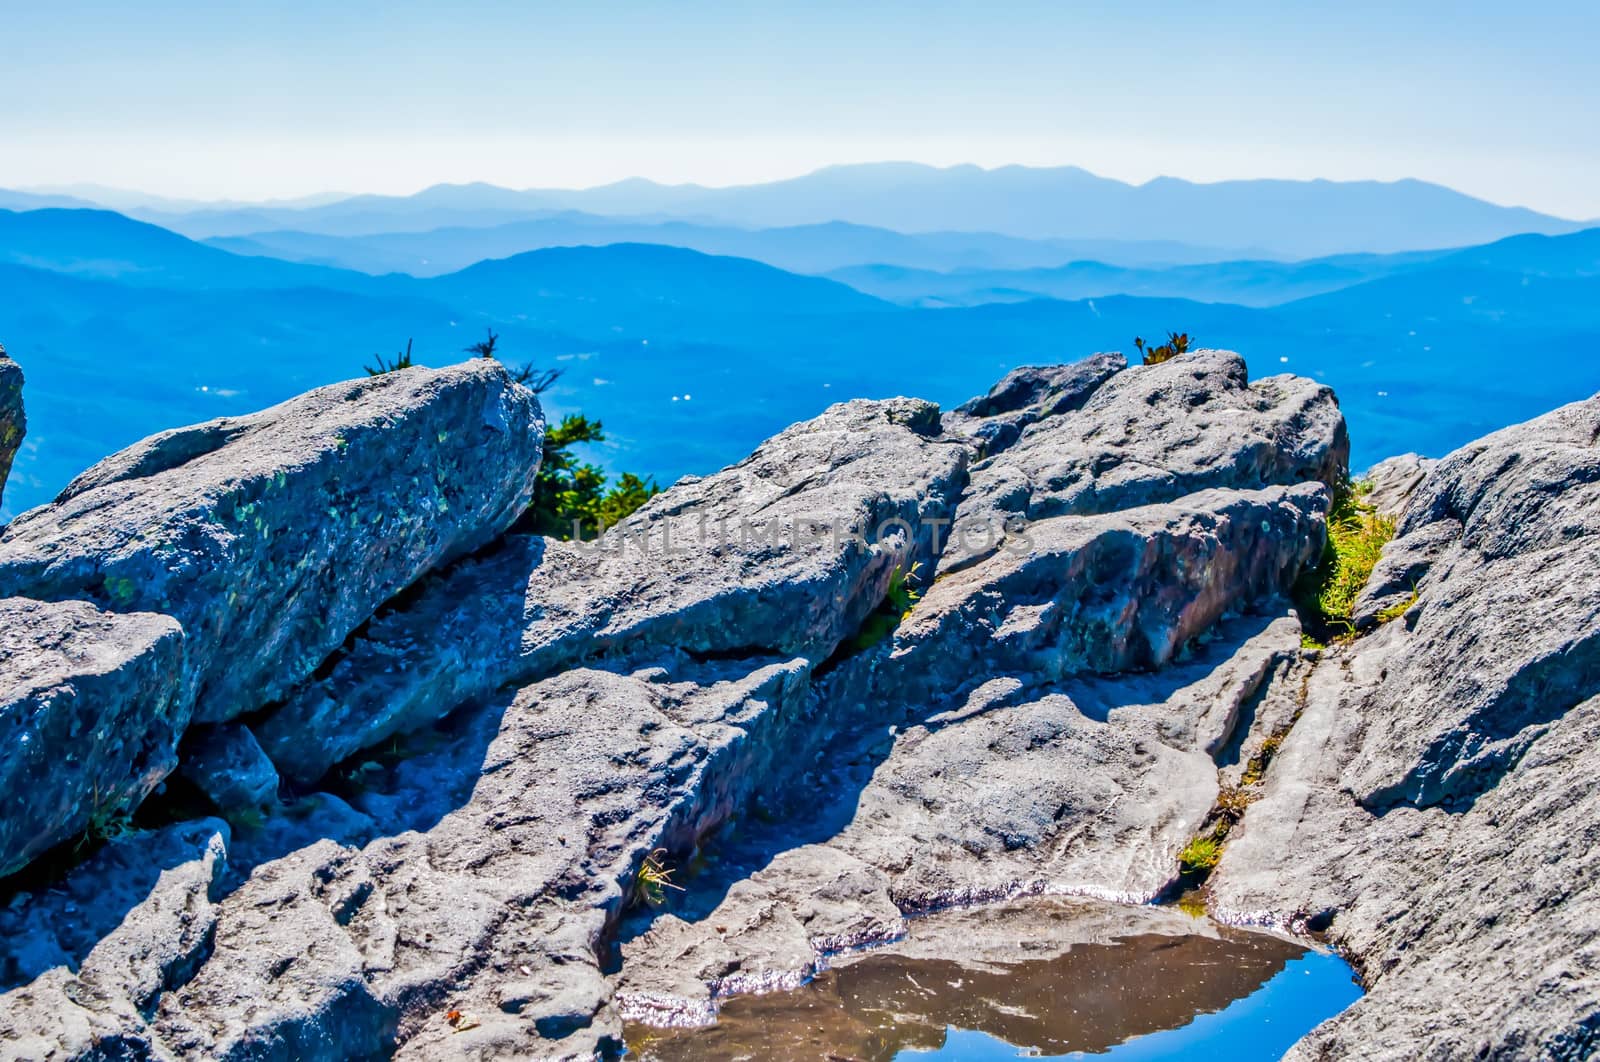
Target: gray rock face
(92, 711)
(1394, 480)
(1154, 433)
(227, 764)
(725, 675)
(217, 565)
(785, 552)
(271, 537)
(1437, 799)
(133, 920)
(13, 424)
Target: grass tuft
(650, 885)
(1357, 533)
(1201, 855)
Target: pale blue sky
(214, 99)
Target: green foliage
(1177, 343)
(1255, 771)
(1395, 611)
(901, 598)
(897, 603)
(109, 819)
(650, 885)
(1201, 855)
(1357, 534)
(536, 380)
(382, 365)
(1193, 903)
(572, 499)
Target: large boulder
(12, 422)
(1435, 807)
(271, 537)
(93, 712)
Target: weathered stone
(1049, 720)
(92, 711)
(1394, 480)
(1027, 395)
(1151, 434)
(1118, 592)
(226, 762)
(785, 552)
(13, 424)
(271, 537)
(97, 952)
(1436, 805)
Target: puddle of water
(1146, 995)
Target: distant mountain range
(1295, 219)
(798, 248)
(691, 359)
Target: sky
(221, 100)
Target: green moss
(1394, 612)
(1201, 855)
(1357, 533)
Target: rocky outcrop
(1141, 436)
(271, 537)
(203, 572)
(13, 425)
(784, 553)
(1435, 806)
(508, 741)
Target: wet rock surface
(519, 790)
(1050, 976)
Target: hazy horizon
(197, 101)
(118, 196)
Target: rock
(13, 425)
(1000, 970)
(94, 954)
(1119, 592)
(327, 949)
(271, 537)
(542, 718)
(92, 711)
(785, 553)
(1152, 434)
(1394, 480)
(227, 764)
(1027, 395)
(1435, 805)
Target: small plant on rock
(108, 820)
(1395, 611)
(1357, 533)
(536, 380)
(650, 885)
(382, 366)
(1177, 343)
(1201, 855)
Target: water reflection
(1254, 995)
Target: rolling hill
(798, 249)
(691, 359)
